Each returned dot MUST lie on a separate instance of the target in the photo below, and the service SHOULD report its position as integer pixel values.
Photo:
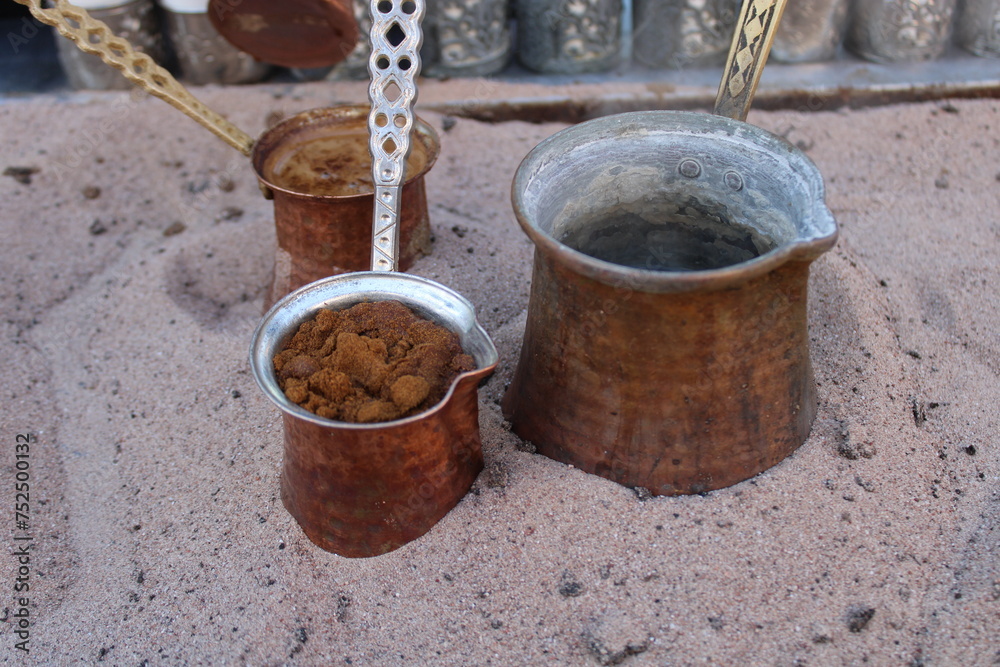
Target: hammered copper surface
(362, 492)
(365, 489)
(320, 236)
(666, 344)
(677, 393)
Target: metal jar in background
(203, 55)
(666, 345)
(811, 31)
(466, 37)
(361, 490)
(978, 27)
(900, 30)
(569, 36)
(321, 235)
(683, 33)
(134, 20)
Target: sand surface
(159, 538)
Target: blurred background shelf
(29, 65)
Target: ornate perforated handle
(752, 41)
(93, 36)
(393, 65)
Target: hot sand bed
(158, 531)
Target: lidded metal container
(134, 20)
(811, 31)
(679, 34)
(203, 55)
(900, 30)
(466, 37)
(569, 36)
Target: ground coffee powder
(372, 362)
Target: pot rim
(285, 316)
(666, 121)
(421, 128)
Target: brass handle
(755, 32)
(93, 36)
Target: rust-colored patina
(362, 491)
(677, 393)
(291, 33)
(666, 344)
(316, 165)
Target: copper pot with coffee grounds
(321, 230)
(365, 489)
(317, 167)
(362, 490)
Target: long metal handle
(93, 36)
(755, 32)
(393, 65)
